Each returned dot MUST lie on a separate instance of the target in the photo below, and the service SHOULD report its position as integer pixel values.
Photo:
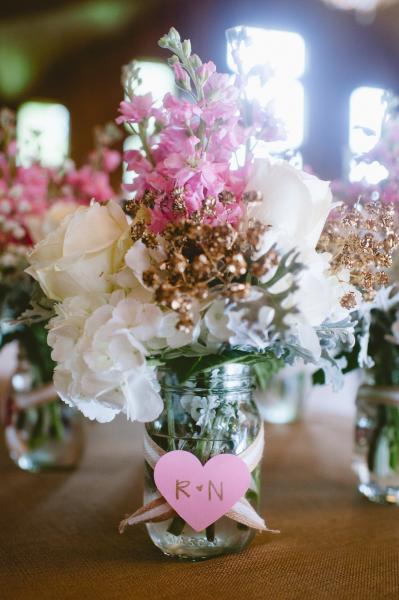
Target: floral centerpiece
(363, 236)
(33, 200)
(209, 275)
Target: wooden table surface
(59, 537)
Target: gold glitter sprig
(199, 257)
(362, 240)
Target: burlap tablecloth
(59, 536)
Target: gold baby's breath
(362, 239)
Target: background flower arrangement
(33, 201)
(363, 236)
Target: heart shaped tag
(201, 494)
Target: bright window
(282, 56)
(158, 79)
(42, 133)
(366, 114)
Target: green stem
(387, 422)
(144, 143)
(37, 431)
(210, 532)
(393, 422)
(54, 409)
(171, 422)
(177, 525)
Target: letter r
(180, 487)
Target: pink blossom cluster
(190, 141)
(385, 152)
(29, 191)
(350, 191)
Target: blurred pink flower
(28, 192)
(111, 160)
(135, 110)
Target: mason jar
(41, 431)
(209, 414)
(376, 456)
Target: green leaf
(289, 263)
(186, 367)
(33, 339)
(265, 369)
(319, 378)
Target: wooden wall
(342, 55)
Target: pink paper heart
(201, 494)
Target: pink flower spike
(206, 70)
(181, 76)
(135, 110)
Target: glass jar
(284, 399)
(211, 413)
(376, 458)
(41, 431)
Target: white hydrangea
(100, 344)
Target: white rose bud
(295, 204)
(81, 254)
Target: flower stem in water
(177, 525)
(210, 533)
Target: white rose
(294, 203)
(82, 253)
(39, 227)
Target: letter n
(219, 493)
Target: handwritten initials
(183, 484)
(211, 486)
(180, 487)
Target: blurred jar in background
(376, 456)
(284, 399)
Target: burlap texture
(59, 532)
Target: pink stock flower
(90, 184)
(192, 148)
(178, 140)
(193, 199)
(181, 76)
(178, 70)
(135, 110)
(111, 160)
(220, 88)
(28, 192)
(227, 214)
(181, 112)
(385, 152)
(205, 70)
